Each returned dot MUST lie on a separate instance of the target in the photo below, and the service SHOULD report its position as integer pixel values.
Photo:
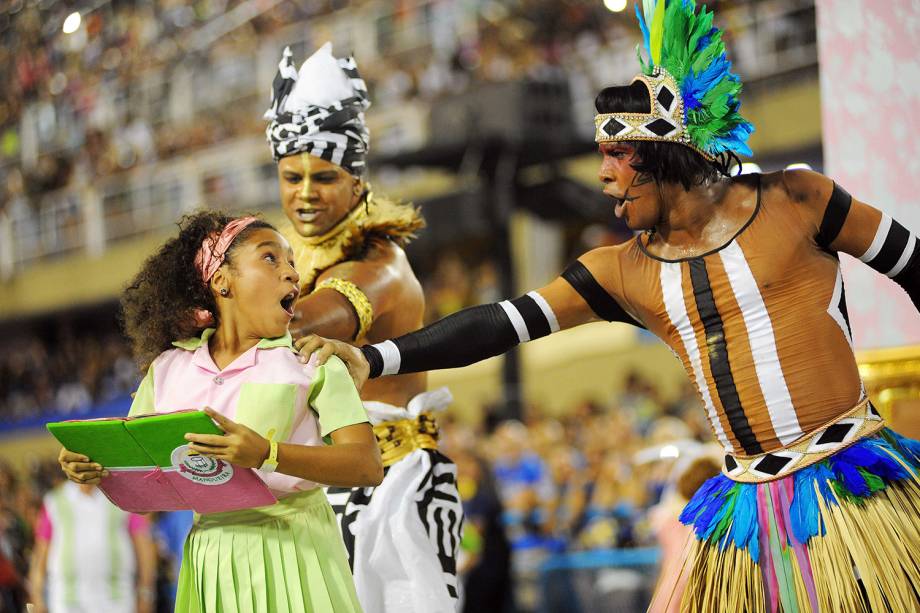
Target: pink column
(870, 98)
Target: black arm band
(909, 277)
(602, 303)
(374, 360)
(838, 207)
(464, 338)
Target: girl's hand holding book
(79, 469)
(238, 445)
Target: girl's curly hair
(158, 306)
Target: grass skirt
(285, 557)
(840, 535)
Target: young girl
(225, 288)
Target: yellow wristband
(271, 462)
(356, 297)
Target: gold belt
(857, 423)
(399, 438)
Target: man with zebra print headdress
(356, 285)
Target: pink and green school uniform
(288, 556)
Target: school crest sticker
(200, 469)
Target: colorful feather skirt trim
(842, 534)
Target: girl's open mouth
(287, 303)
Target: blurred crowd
(455, 285)
(20, 501)
(79, 370)
(22, 495)
(140, 82)
(587, 480)
(71, 97)
(101, 100)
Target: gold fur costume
(374, 217)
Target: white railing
(234, 176)
(770, 37)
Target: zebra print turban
(319, 110)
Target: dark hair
(159, 304)
(695, 475)
(664, 162)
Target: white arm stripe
(547, 310)
(879, 241)
(391, 357)
(520, 326)
(905, 257)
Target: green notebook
(152, 469)
(145, 440)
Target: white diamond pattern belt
(857, 423)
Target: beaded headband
(693, 94)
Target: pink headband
(213, 249)
(211, 255)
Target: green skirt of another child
(287, 557)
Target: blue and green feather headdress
(694, 95)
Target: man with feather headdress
(817, 507)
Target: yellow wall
(76, 280)
(25, 447)
(892, 378)
(786, 118)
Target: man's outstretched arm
(481, 332)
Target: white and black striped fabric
(531, 316)
(335, 133)
(382, 517)
(894, 249)
(347, 503)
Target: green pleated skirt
(287, 557)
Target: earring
(224, 291)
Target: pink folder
(152, 469)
